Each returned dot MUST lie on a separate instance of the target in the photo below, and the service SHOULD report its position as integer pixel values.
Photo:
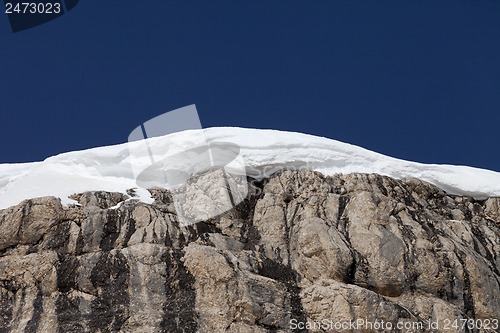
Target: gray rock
(302, 252)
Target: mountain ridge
(113, 168)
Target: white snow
(112, 168)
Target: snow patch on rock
(264, 152)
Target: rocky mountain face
(303, 253)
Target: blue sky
(417, 80)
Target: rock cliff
(303, 253)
